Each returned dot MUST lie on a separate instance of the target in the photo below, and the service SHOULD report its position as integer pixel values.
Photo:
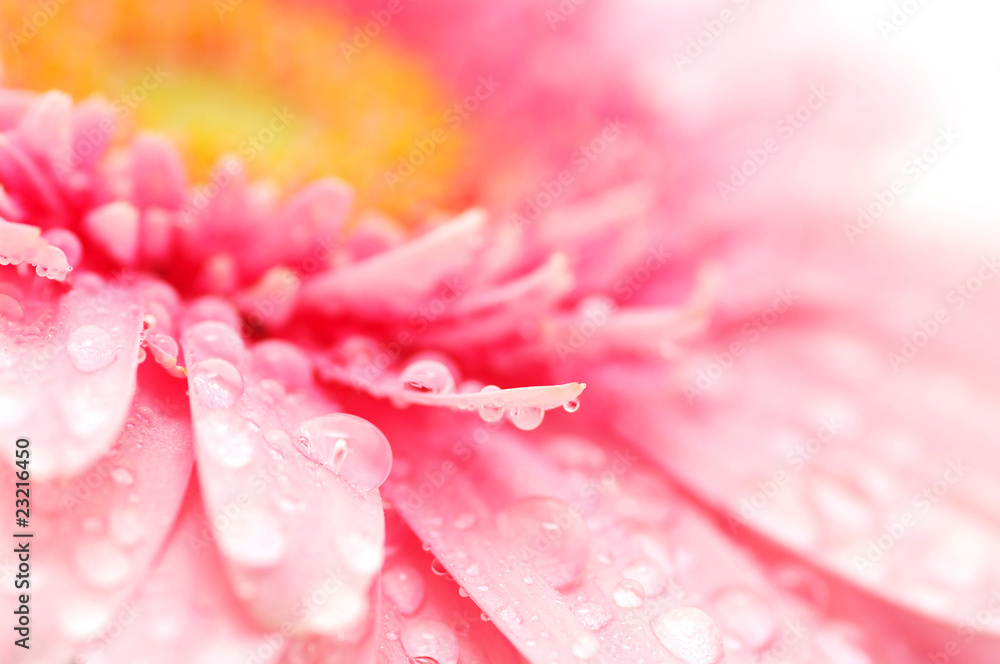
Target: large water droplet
(348, 446)
(572, 406)
(428, 376)
(629, 594)
(744, 614)
(526, 418)
(213, 338)
(551, 533)
(430, 638)
(689, 634)
(254, 538)
(217, 383)
(404, 585)
(90, 348)
(491, 412)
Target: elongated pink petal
(185, 610)
(68, 373)
(291, 511)
(21, 243)
(96, 534)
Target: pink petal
(21, 243)
(69, 372)
(115, 228)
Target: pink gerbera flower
(281, 417)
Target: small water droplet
(585, 646)
(526, 418)
(572, 405)
(650, 574)
(551, 533)
(689, 634)
(491, 412)
(216, 383)
(594, 616)
(463, 592)
(629, 594)
(484, 617)
(126, 527)
(101, 564)
(123, 476)
(428, 376)
(464, 521)
(347, 446)
(90, 348)
(404, 586)
(430, 638)
(228, 438)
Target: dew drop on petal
(230, 439)
(689, 634)
(629, 594)
(585, 646)
(101, 564)
(491, 412)
(348, 446)
(404, 585)
(217, 383)
(650, 574)
(254, 538)
(430, 638)
(282, 361)
(572, 405)
(212, 338)
(123, 476)
(746, 615)
(592, 615)
(428, 376)
(126, 527)
(464, 521)
(552, 533)
(90, 348)
(526, 418)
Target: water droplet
(101, 564)
(430, 638)
(126, 527)
(585, 646)
(551, 533)
(572, 405)
(689, 634)
(228, 438)
(123, 476)
(629, 594)
(526, 418)
(404, 585)
(90, 348)
(508, 615)
(650, 574)
(282, 361)
(254, 538)
(428, 376)
(747, 616)
(594, 616)
(491, 412)
(214, 339)
(347, 446)
(464, 521)
(216, 383)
